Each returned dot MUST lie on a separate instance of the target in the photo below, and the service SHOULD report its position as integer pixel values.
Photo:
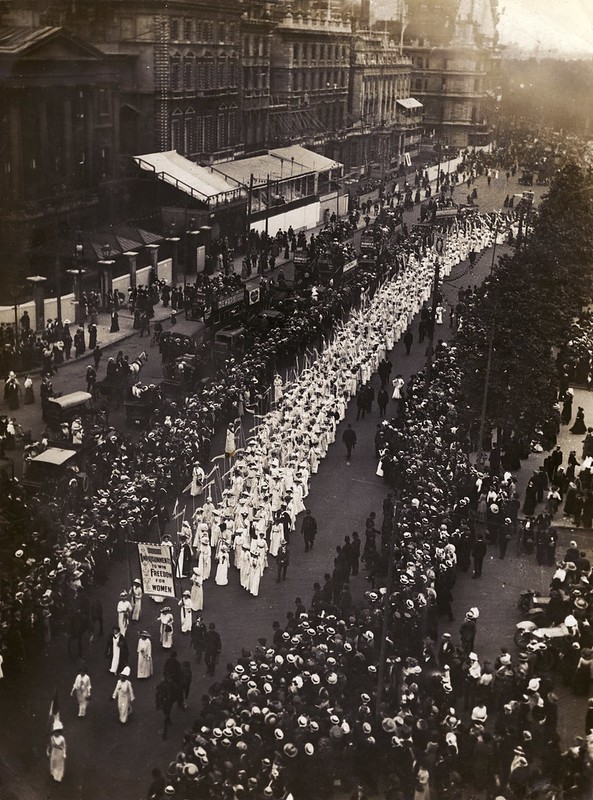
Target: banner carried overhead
(156, 569)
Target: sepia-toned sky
(565, 25)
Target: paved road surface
(106, 760)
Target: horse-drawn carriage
(57, 410)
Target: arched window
(233, 124)
(177, 130)
(221, 70)
(200, 134)
(189, 71)
(222, 127)
(201, 74)
(208, 70)
(232, 69)
(175, 72)
(190, 132)
(209, 133)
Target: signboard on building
(156, 569)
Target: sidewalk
(490, 197)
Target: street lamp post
(189, 232)
(433, 313)
(480, 456)
(438, 186)
(386, 611)
(175, 243)
(77, 272)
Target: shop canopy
(409, 103)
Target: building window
(222, 127)
(189, 68)
(175, 72)
(128, 28)
(200, 135)
(177, 131)
(222, 33)
(190, 131)
(104, 103)
(221, 70)
(233, 116)
(105, 161)
(174, 29)
(187, 29)
(232, 70)
(208, 71)
(209, 134)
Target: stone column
(174, 257)
(132, 255)
(77, 281)
(14, 135)
(105, 278)
(193, 240)
(38, 284)
(153, 252)
(67, 141)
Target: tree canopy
(529, 302)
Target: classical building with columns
(310, 66)
(451, 44)
(180, 69)
(257, 25)
(59, 139)
(384, 122)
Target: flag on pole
(54, 711)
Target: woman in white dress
(276, 537)
(124, 694)
(245, 567)
(186, 619)
(222, 570)
(197, 481)
(277, 388)
(82, 691)
(254, 575)
(56, 750)
(397, 383)
(166, 631)
(230, 445)
(197, 591)
(144, 655)
(136, 594)
(205, 561)
(124, 612)
(297, 500)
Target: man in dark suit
(309, 530)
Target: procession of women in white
(269, 479)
